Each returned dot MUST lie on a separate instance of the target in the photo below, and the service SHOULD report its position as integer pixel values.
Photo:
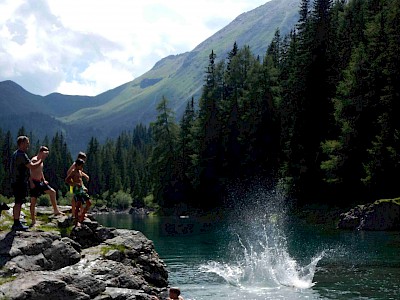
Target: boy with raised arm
(75, 178)
(81, 155)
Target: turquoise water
(262, 253)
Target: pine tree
(7, 148)
(94, 168)
(164, 156)
(208, 134)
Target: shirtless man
(40, 186)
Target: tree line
(117, 169)
(317, 114)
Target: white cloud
(88, 47)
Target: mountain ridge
(177, 77)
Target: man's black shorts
(39, 189)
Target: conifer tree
(57, 163)
(7, 148)
(94, 168)
(164, 156)
(208, 133)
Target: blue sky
(86, 47)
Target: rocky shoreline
(382, 214)
(90, 262)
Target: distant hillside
(177, 77)
(180, 77)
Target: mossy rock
(383, 214)
(394, 200)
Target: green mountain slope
(177, 77)
(180, 77)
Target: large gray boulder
(111, 264)
(380, 215)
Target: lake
(264, 253)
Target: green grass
(104, 250)
(6, 200)
(3, 280)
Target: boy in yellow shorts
(81, 197)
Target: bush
(43, 200)
(98, 202)
(65, 200)
(6, 200)
(149, 202)
(121, 200)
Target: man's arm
(36, 173)
(33, 165)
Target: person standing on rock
(81, 155)
(75, 179)
(39, 185)
(20, 165)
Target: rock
(114, 255)
(104, 209)
(104, 233)
(84, 236)
(114, 264)
(49, 286)
(139, 211)
(118, 293)
(72, 243)
(380, 215)
(61, 254)
(64, 222)
(35, 251)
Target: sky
(86, 47)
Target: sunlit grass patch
(3, 280)
(104, 250)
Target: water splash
(260, 257)
(269, 267)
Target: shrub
(65, 200)
(43, 200)
(6, 199)
(149, 202)
(121, 200)
(98, 202)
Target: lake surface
(263, 253)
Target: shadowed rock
(93, 263)
(380, 215)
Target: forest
(317, 116)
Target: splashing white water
(269, 267)
(260, 258)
